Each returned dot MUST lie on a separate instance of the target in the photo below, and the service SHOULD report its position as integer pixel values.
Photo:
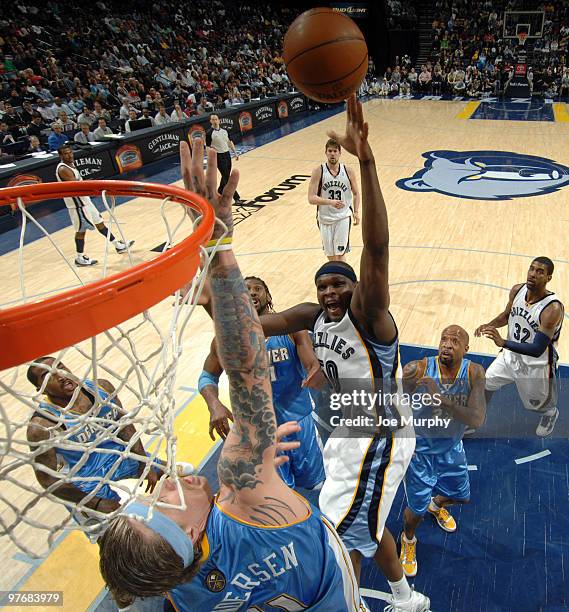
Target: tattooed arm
(250, 485)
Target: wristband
(215, 245)
(206, 379)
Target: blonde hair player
(334, 190)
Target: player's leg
(80, 225)
(453, 486)
(341, 239)
(538, 390)
(97, 220)
(420, 479)
(327, 237)
(224, 167)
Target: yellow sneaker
(408, 556)
(443, 518)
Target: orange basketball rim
(31, 330)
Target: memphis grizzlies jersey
(351, 360)
(300, 566)
(80, 433)
(291, 401)
(523, 324)
(334, 187)
(75, 201)
(438, 440)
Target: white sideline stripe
(375, 594)
(473, 468)
(534, 457)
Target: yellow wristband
(218, 242)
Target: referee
(218, 139)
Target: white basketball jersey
(334, 187)
(353, 361)
(73, 202)
(523, 324)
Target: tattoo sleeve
(242, 353)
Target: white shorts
(336, 236)
(536, 385)
(83, 213)
(362, 478)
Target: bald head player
(355, 338)
(452, 392)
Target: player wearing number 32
(257, 545)
(534, 317)
(334, 189)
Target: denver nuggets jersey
(352, 360)
(301, 566)
(432, 440)
(81, 434)
(290, 400)
(523, 324)
(334, 187)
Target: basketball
(325, 55)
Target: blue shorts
(305, 467)
(445, 474)
(128, 468)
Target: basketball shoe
(121, 247)
(82, 261)
(547, 424)
(443, 517)
(408, 556)
(416, 603)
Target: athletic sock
(406, 539)
(79, 246)
(105, 231)
(550, 412)
(434, 506)
(400, 589)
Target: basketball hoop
(31, 330)
(124, 328)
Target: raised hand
(355, 138)
(204, 184)
(494, 335)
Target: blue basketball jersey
(435, 440)
(291, 401)
(82, 434)
(300, 566)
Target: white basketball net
(138, 357)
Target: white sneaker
(416, 603)
(184, 469)
(83, 260)
(547, 424)
(121, 247)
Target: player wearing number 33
(334, 190)
(534, 317)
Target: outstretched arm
(370, 302)
(249, 481)
(295, 319)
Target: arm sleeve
(533, 349)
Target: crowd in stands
(401, 14)
(471, 57)
(67, 73)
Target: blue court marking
(534, 110)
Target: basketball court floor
(474, 191)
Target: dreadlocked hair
(269, 296)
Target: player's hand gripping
(493, 334)
(355, 138)
(286, 429)
(204, 184)
(219, 417)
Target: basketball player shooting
(334, 190)
(355, 337)
(257, 542)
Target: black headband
(333, 268)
